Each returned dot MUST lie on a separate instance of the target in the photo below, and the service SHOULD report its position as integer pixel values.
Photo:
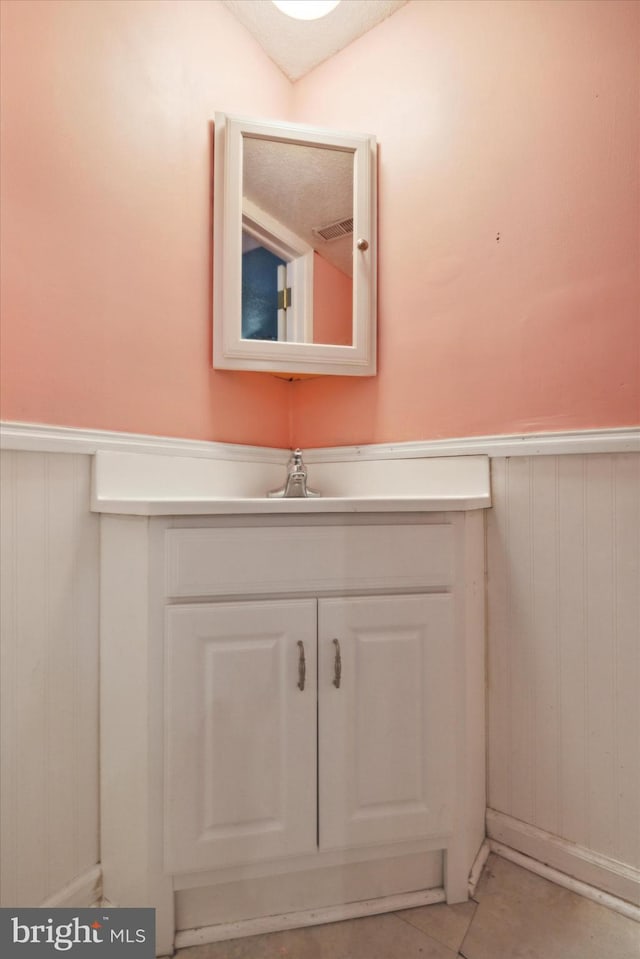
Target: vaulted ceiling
(297, 46)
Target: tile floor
(514, 915)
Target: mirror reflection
(297, 242)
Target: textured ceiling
(302, 187)
(297, 46)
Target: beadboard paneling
(564, 648)
(564, 673)
(49, 675)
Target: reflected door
(262, 275)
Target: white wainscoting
(564, 659)
(49, 681)
(564, 663)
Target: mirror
(294, 249)
(297, 237)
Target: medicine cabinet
(294, 249)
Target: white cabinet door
(240, 754)
(386, 733)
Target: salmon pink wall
(332, 304)
(106, 216)
(508, 220)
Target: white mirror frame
(230, 350)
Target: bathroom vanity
(292, 694)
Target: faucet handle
(295, 463)
(296, 482)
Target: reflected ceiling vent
(334, 231)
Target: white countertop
(151, 485)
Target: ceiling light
(306, 9)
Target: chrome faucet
(296, 481)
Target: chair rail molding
(46, 438)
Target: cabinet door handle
(337, 665)
(302, 666)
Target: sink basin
(148, 485)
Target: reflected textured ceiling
(297, 46)
(302, 187)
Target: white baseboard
(609, 876)
(308, 917)
(477, 867)
(83, 892)
(620, 906)
(43, 438)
